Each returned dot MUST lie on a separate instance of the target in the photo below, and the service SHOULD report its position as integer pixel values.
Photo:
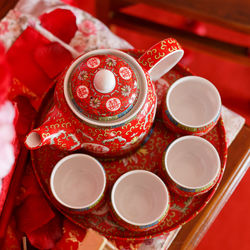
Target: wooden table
(230, 14)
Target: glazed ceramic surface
(78, 182)
(147, 157)
(140, 200)
(105, 102)
(192, 106)
(191, 165)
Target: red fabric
(34, 52)
(56, 21)
(231, 230)
(34, 216)
(40, 61)
(27, 115)
(5, 77)
(52, 58)
(5, 187)
(9, 185)
(23, 64)
(12, 237)
(46, 237)
(33, 213)
(71, 238)
(5, 83)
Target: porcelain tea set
(105, 104)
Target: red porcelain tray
(147, 157)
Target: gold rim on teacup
(140, 200)
(191, 165)
(78, 182)
(192, 105)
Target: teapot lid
(104, 86)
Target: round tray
(148, 157)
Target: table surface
(238, 162)
(233, 14)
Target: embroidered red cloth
(35, 62)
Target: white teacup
(140, 200)
(191, 165)
(192, 106)
(78, 182)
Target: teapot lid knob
(104, 81)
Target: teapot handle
(161, 57)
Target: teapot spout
(34, 140)
(59, 135)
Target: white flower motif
(83, 75)
(94, 103)
(110, 62)
(125, 90)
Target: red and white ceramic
(191, 165)
(192, 105)
(147, 157)
(105, 102)
(140, 200)
(78, 182)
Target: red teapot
(105, 102)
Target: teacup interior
(78, 182)
(194, 101)
(192, 162)
(140, 198)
